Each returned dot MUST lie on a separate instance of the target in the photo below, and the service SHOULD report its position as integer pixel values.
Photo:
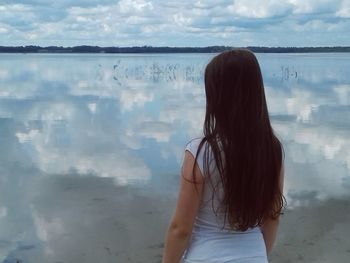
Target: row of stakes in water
(158, 73)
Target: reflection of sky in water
(76, 126)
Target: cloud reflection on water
(124, 101)
(76, 126)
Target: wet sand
(318, 233)
(89, 219)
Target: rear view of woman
(231, 191)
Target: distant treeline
(150, 49)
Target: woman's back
(231, 189)
(213, 240)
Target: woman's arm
(269, 231)
(190, 196)
(270, 226)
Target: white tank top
(210, 241)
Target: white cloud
(3, 211)
(4, 73)
(160, 131)
(182, 20)
(27, 137)
(3, 30)
(314, 6)
(92, 107)
(51, 159)
(344, 10)
(201, 23)
(130, 6)
(47, 229)
(323, 156)
(343, 93)
(134, 97)
(259, 9)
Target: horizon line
(167, 49)
(150, 46)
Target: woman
(231, 186)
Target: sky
(175, 23)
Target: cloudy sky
(175, 23)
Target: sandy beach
(318, 232)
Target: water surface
(91, 148)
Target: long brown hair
(237, 128)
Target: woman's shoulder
(194, 144)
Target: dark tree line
(150, 49)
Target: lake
(91, 149)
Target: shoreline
(165, 49)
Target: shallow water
(92, 145)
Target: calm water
(91, 147)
